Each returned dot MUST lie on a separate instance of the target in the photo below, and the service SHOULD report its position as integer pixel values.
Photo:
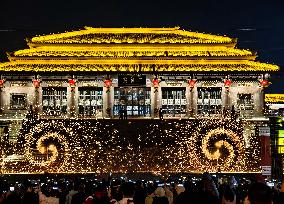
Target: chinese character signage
(264, 131)
(131, 80)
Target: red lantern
(227, 83)
(72, 83)
(156, 82)
(2, 81)
(191, 83)
(264, 83)
(36, 83)
(108, 83)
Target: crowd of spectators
(206, 189)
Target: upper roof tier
(132, 50)
(131, 36)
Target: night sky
(258, 25)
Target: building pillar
(1, 108)
(2, 81)
(188, 101)
(107, 104)
(107, 91)
(156, 103)
(155, 91)
(189, 104)
(261, 103)
(76, 101)
(226, 109)
(36, 101)
(72, 90)
(72, 109)
(37, 90)
(227, 85)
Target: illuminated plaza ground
(121, 146)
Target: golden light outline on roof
(175, 56)
(78, 67)
(48, 52)
(274, 98)
(131, 35)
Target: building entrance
(135, 100)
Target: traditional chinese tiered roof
(274, 98)
(132, 50)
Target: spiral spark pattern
(46, 150)
(217, 154)
(217, 145)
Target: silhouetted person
(121, 113)
(259, 193)
(30, 197)
(125, 114)
(127, 190)
(229, 195)
(140, 193)
(13, 197)
(160, 197)
(79, 197)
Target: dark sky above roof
(258, 25)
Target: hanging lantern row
(108, 84)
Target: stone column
(72, 103)
(192, 106)
(227, 104)
(191, 92)
(261, 103)
(37, 90)
(157, 104)
(2, 81)
(73, 88)
(107, 91)
(36, 101)
(1, 108)
(107, 108)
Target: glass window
(136, 100)
(245, 101)
(209, 100)
(91, 101)
(245, 105)
(18, 101)
(173, 102)
(54, 100)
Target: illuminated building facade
(95, 73)
(275, 111)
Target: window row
(135, 100)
